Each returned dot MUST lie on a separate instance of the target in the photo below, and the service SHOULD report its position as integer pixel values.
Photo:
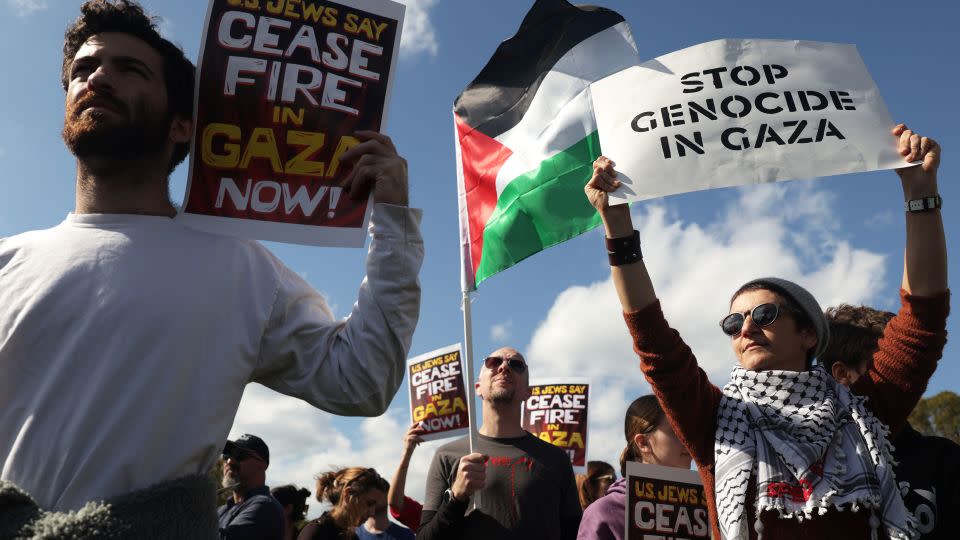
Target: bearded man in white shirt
(126, 339)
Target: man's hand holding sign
(376, 167)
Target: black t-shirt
(324, 528)
(530, 493)
(929, 478)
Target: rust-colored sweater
(907, 357)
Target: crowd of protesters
(509, 505)
(816, 404)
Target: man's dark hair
(854, 333)
(788, 304)
(124, 16)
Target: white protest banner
(742, 111)
(282, 86)
(557, 412)
(665, 502)
(438, 393)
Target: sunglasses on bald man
(515, 364)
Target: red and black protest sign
(282, 87)
(665, 503)
(438, 393)
(557, 413)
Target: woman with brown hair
(353, 492)
(593, 485)
(650, 439)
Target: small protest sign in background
(556, 412)
(438, 393)
(742, 111)
(665, 503)
(282, 87)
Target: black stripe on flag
(498, 97)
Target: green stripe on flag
(541, 208)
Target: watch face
(926, 203)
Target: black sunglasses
(763, 315)
(516, 365)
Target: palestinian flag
(527, 137)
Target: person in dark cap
(784, 450)
(252, 512)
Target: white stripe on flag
(561, 114)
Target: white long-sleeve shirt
(126, 342)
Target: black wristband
(624, 250)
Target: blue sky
(840, 236)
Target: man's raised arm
(353, 367)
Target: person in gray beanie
(795, 299)
(783, 450)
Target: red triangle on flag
(480, 160)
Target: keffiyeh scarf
(807, 444)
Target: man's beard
(502, 395)
(88, 135)
(229, 480)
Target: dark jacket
(258, 517)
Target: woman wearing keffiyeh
(783, 450)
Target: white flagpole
(468, 362)
(471, 389)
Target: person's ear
(642, 442)
(842, 373)
(476, 389)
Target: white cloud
(501, 331)
(783, 230)
(24, 8)
(881, 219)
(418, 34)
(303, 441)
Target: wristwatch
(448, 496)
(924, 204)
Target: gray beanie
(807, 303)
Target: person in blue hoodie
(650, 439)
